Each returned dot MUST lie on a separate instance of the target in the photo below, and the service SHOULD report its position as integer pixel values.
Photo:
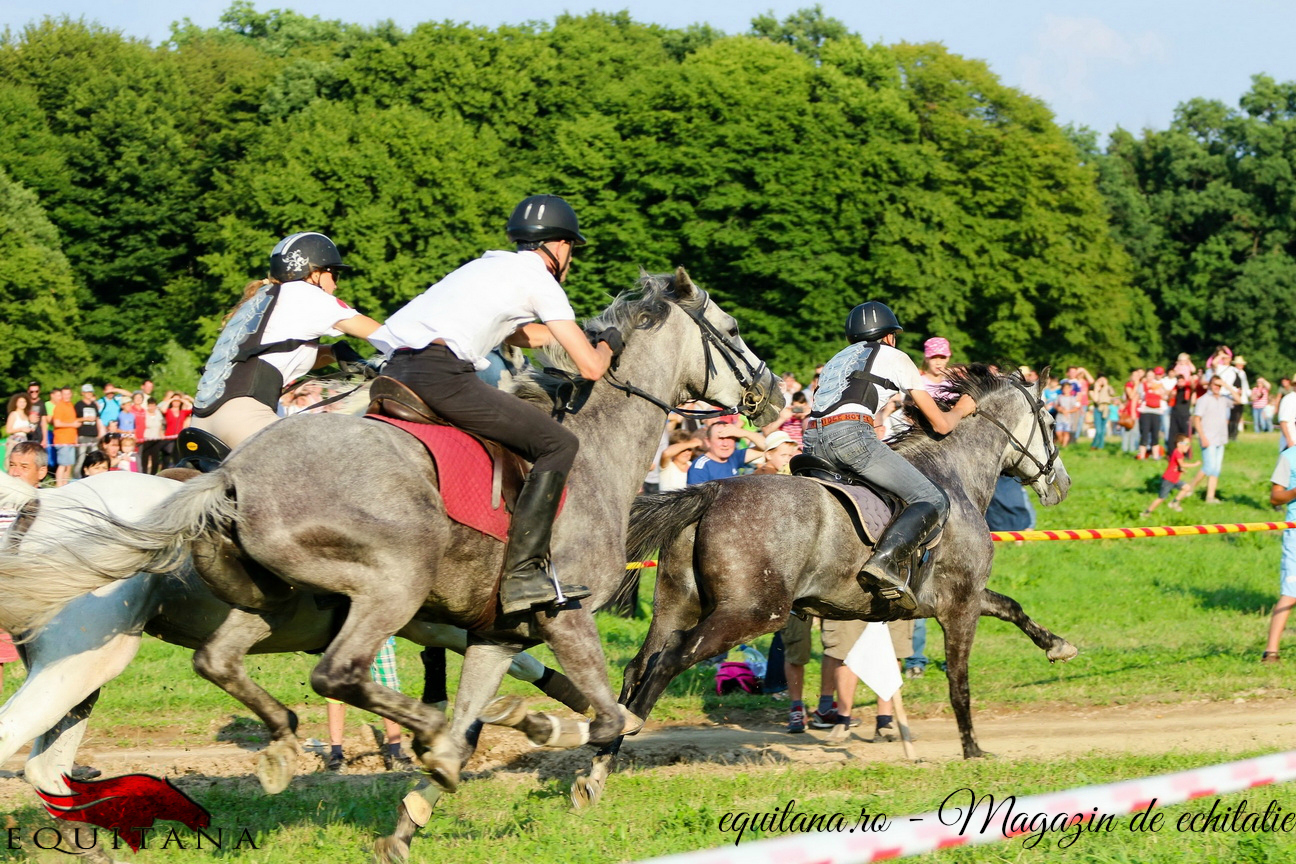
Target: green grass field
(1156, 621)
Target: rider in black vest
(272, 338)
(845, 428)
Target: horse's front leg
(220, 661)
(960, 629)
(1007, 609)
(574, 639)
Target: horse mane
(643, 307)
(974, 379)
(14, 493)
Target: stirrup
(898, 593)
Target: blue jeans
(1259, 422)
(854, 446)
(1100, 426)
(918, 660)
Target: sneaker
(1270, 657)
(85, 772)
(797, 720)
(335, 763)
(831, 719)
(400, 762)
(915, 672)
(1175, 506)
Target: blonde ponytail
(248, 292)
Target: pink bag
(731, 676)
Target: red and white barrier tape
(1139, 533)
(1084, 809)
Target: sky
(1101, 63)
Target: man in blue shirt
(723, 458)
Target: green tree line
(795, 170)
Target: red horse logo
(126, 805)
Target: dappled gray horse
(94, 638)
(335, 504)
(723, 580)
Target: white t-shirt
(1287, 412)
(477, 307)
(671, 478)
(304, 311)
(892, 372)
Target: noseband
(747, 375)
(1042, 469)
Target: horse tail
(655, 520)
(39, 579)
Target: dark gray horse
(336, 504)
(724, 579)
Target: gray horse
(93, 638)
(335, 504)
(723, 580)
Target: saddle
(870, 508)
(392, 402)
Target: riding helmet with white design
(299, 255)
(544, 217)
(869, 322)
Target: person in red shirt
(177, 414)
(1172, 479)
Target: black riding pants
(451, 387)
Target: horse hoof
(274, 767)
(443, 763)
(632, 723)
(584, 794)
(390, 850)
(504, 711)
(1062, 653)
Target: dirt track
(1229, 727)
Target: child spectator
(1172, 479)
(110, 446)
(1283, 492)
(1068, 414)
(675, 460)
(1259, 402)
(779, 450)
(129, 460)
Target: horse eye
(733, 332)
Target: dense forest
(795, 170)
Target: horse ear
(1043, 378)
(684, 288)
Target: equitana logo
(128, 806)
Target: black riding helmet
(544, 217)
(299, 255)
(870, 321)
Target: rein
(1043, 469)
(748, 376)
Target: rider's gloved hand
(612, 336)
(348, 360)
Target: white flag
(873, 659)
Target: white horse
(93, 638)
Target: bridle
(1044, 469)
(747, 375)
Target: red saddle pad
(464, 472)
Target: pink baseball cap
(937, 346)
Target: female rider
(853, 387)
(439, 340)
(271, 337)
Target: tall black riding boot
(526, 561)
(891, 563)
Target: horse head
(1032, 454)
(713, 364)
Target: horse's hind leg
(343, 671)
(1007, 609)
(220, 661)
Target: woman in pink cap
(936, 356)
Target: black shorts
(451, 387)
